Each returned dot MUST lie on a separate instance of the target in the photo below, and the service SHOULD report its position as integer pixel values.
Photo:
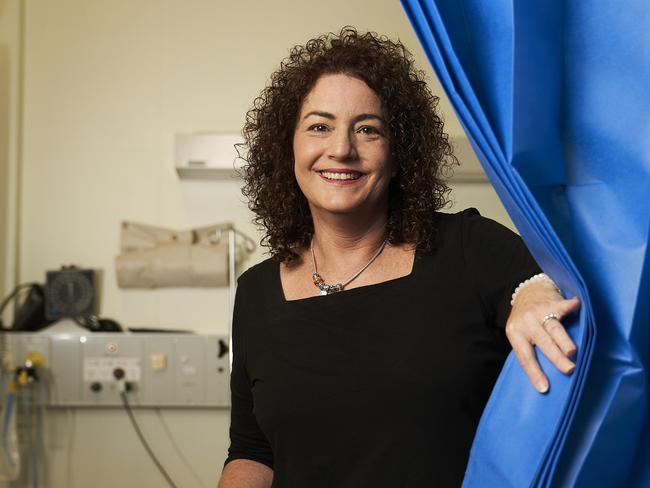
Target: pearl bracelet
(533, 279)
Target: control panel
(157, 370)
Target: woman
(366, 348)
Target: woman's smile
(341, 177)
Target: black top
(381, 385)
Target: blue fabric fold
(555, 99)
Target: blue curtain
(555, 99)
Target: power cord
(129, 411)
(177, 448)
(12, 295)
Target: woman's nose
(342, 146)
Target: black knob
(96, 387)
(119, 373)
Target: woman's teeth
(340, 176)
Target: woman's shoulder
(467, 228)
(259, 274)
(468, 220)
(457, 218)
(449, 226)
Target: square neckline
(350, 292)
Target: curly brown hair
(419, 148)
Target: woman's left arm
(535, 320)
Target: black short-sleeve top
(381, 385)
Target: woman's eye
(368, 130)
(318, 128)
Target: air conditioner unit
(206, 155)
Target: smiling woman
(409, 128)
(346, 156)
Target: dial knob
(119, 373)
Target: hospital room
(303, 244)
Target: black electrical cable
(177, 448)
(8, 299)
(153, 457)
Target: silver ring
(549, 316)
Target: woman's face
(341, 148)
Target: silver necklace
(326, 289)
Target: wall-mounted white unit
(206, 155)
(160, 369)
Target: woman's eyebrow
(361, 117)
(356, 119)
(320, 113)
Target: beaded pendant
(324, 288)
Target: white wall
(106, 86)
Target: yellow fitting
(23, 378)
(36, 359)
